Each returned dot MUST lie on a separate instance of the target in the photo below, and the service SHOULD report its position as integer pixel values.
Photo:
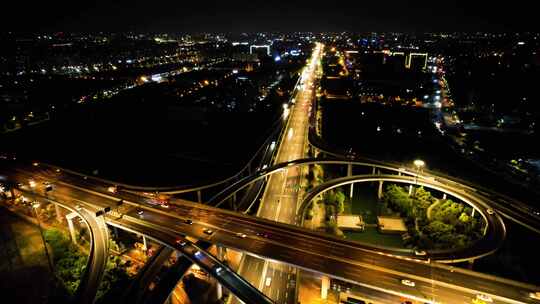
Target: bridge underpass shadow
(139, 292)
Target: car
(112, 189)
(490, 211)
(263, 234)
(152, 202)
(219, 270)
(408, 283)
(484, 297)
(164, 205)
(241, 235)
(181, 242)
(140, 212)
(188, 221)
(420, 252)
(208, 231)
(268, 281)
(535, 295)
(78, 207)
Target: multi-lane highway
(303, 248)
(279, 202)
(271, 236)
(128, 218)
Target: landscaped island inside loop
(405, 217)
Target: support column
(325, 285)
(219, 291)
(374, 171)
(115, 231)
(221, 252)
(444, 197)
(349, 173)
(199, 196)
(221, 256)
(145, 245)
(69, 218)
(58, 214)
(472, 213)
(379, 192)
(410, 190)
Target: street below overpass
(280, 198)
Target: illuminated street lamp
(35, 206)
(418, 163)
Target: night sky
(250, 16)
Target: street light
(34, 207)
(418, 163)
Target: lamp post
(418, 163)
(34, 207)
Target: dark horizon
(255, 16)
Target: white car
(241, 235)
(408, 283)
(420, 252)
(484, 297)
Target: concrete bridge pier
(472, 213)
(70, 218)
(145, 244)
(379, 192)
(221, 255)
(444, 197)
(199, 196)
(325, 285)
(221, 252)
(410, 189)
(58, 213)
(349, 173)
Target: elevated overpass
(348, 261)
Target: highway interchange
(274, 237)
